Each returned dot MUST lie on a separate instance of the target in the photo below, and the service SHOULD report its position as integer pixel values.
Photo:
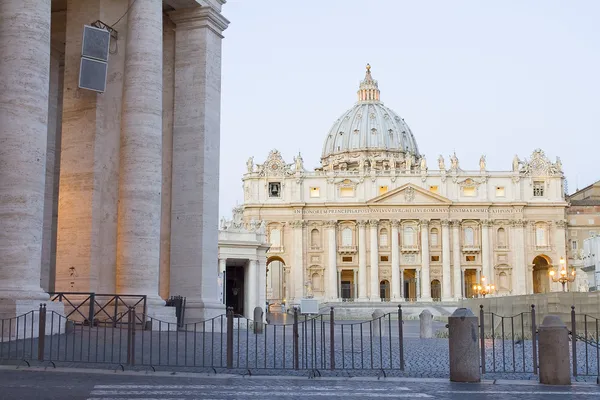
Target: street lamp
(562, 276)
(483, 288)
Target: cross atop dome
(368, 91)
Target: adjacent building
(377, 220)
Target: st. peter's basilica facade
(380, 221)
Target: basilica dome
(368, 127)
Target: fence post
(131, 336)
(401, 337)
(332, 339)
(230, 338)
(482, 337)
(295, 333)
(574, 340)
(92, 311)
(534, 340)
(116, 310)
(41, 332)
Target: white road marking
(256, 394)
(211, 386)
(515, 392)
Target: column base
(198, 310)
(25, 314)
(447, 299)
(425, 299)
(362, 300)
(162, 318)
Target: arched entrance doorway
(384, 290)
(541, 266)
(276, 282)
(436, 290)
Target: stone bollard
(258, 320)
(377, 321)
(464, 349)
(426, 324)
(555, 365)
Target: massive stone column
(332, 287)
(485, 251)
(456, 255)
(521, 275)
(425, 280)
(196, 146)
(298, 264)
(362, 260)
(140, 174)
(396, 288)
(24, 83)
(250, 289)
(374, 294)
(446, 272)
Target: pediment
(410, 194)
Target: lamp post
(483, 289)
(563, 276)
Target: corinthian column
(520, 274)
(332, 286)
(425, 280)
(196, 139)
(140, 175)
(396, 296)
(24, 82)
(485, 251)
(374, 292)
(362, 260)
(446, 273)
(298, 265)
(456, 254)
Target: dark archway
(384, 290)
(436, 290)
(541, 267)
(276, 283)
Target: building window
(409, 236)
(315, 238)
(435, 258)
(346, 192)
(468, 192)
(383, 238)
(347, 259)
(469, 236)
(384, 259)
(434, 237)
(499, 191)
(538, 189)
(470, 258)
(314, 192)
(383, 189)
(346, 237)
(574, 245)
(540, 236)
(433, 188)
(501, 237)
(274, 189)
(275, 237)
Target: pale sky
(497, 78)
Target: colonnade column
(298, 265)
(362, 260)
(250, 289)
(195, 173)
(396, 293)
(446, 273)
(332, 261)
(425, 280)
(140, 174)
(261, 290)
(374, 294)
(520, 274)
(223, 276)
(456, 255)
(485, 251)
(24, 83)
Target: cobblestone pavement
(95, 385)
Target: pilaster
(374, 294)
(332, 283)
(485, 250)
(396, 273)
(425, 279)
(362, 260)
(446, 273)
(457, 255)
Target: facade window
(315, 238)
(383, 238)
(469, 236)
(383, 189)
(434, 237)
(538, 189)
(347, 259)
(435, 258)
(468, 192)
(275, 237)
(470, 258)
(346, 192)
(574, 245)
(314, 192)
(433, 188)
(384, 259)
(409, 236)
(501, 237)
(500, 191)
(274, 189)
(346, 237)
(540, 236)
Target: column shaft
(396, 288)
(362, 260)
(374, 292)
(520, 274)
(425, 280)
(223, 276)
(251, 287)
(332, 262)
(456, 255)
(24, 85)
(446, 272)
(485, 252)
(298, 266)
